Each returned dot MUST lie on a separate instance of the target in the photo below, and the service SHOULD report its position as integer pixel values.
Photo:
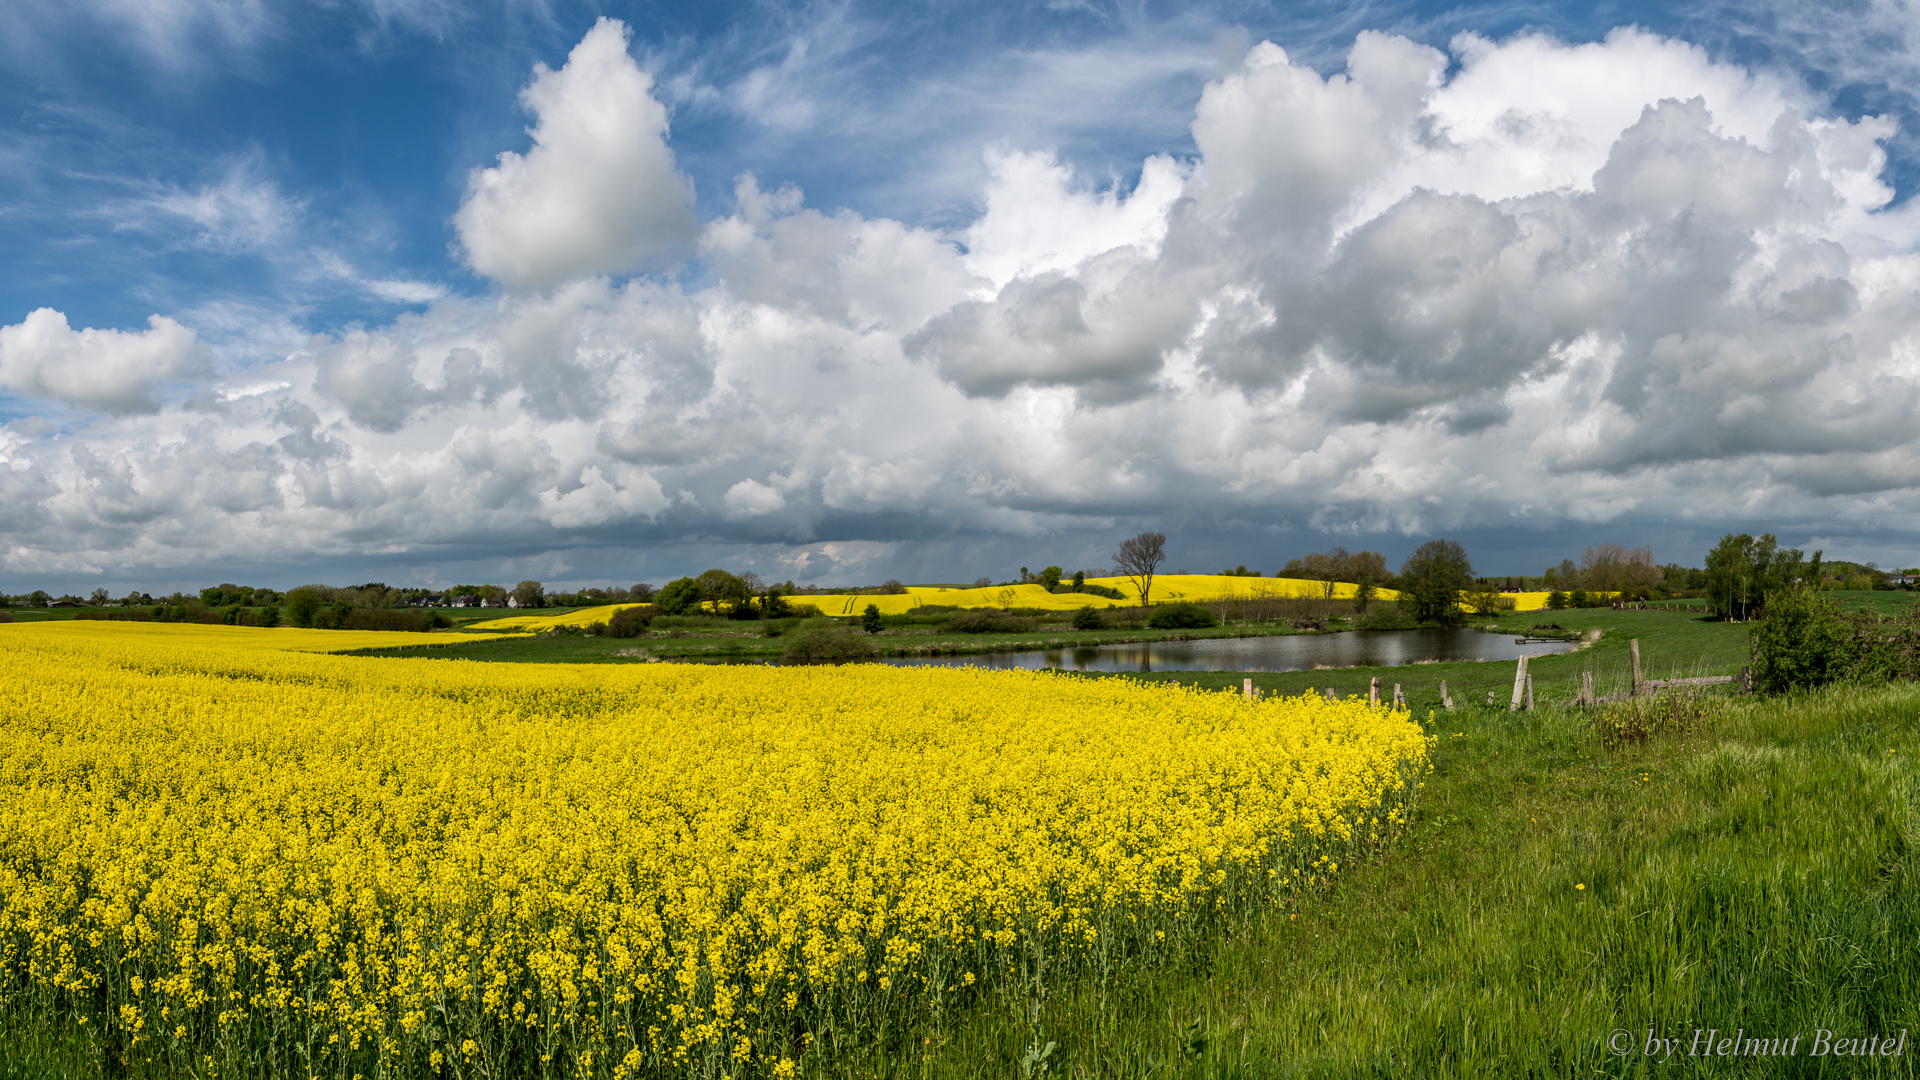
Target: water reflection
(1369, 648)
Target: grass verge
(1553, 903)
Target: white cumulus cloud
(110, 370)
(598, 192)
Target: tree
(529, 594)
(1432, 580)
(1086, 619)
(1079, 581)
(1368, 571)
(1562, 577)
(303, 604)
(773, 602)
(870, 619)
(1741, 571)
(1138, 558)
(677, 597)
(726, 592)
(39, 598)
(1050, 578)
(1613, 568)
(100, 598)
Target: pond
(1298, 652)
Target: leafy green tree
(38, 598)
(728, 593)
(678, 597)
(1086, 619)
(870, 619)
(527, 594)
(1741, 571)
(1050, 578)
(773, 602)
(303, 604)
(1079, 581)
(100, 598)
(1432, 580)
(1556, 600)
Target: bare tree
(1138, 558)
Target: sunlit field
(224, 854)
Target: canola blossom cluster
(223, 851)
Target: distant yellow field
(1167, 588)
(549, 620)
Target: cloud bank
(1563, 284)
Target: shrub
(1579, 598)
(1385, 617)
(987, 621)
(1101, 590)
(1180, 617)
(1804, 641)
(626, 623)
(678, 597)
(6, 616)
(379, 619)
(1556, 600)
(820, 640)
(870, 619)
(1086, 619)
(662, 621)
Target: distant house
(1897, 580)
(513, 601)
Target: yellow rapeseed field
(224, 851)
(1167, 589)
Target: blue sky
(264, 229)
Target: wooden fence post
(1489, 699)
(1529, 693)
(1329, 693)
(1634, 648)
(1373, 691)
(1399, 701)
(1519, 684)
(1586, 688)
(1746, 680)
(1446, 700)
(1247, 687)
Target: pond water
(1300, 652)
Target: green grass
(1757, 874)
(1884, 602)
